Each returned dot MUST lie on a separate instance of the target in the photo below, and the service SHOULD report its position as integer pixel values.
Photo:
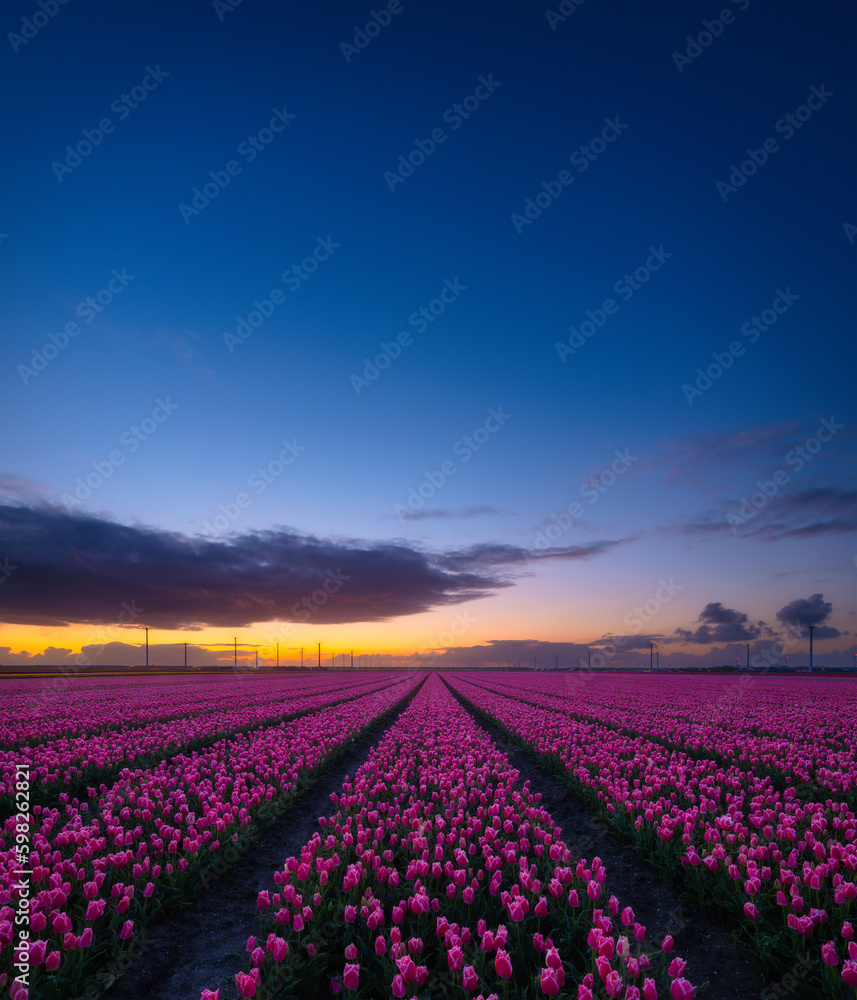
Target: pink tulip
(849, 972)
(548, 982)
(246, 985)
(279, 950)
(667, 944)
(37, 952)
(469, 979)
(351, 976)
(650, 990)
(380, 945)
(828, 953)
(52, 962)
(677, 966)
(503, 964)
(127, 930)
(680, 989)
(613, 984)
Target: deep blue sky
(162, 337)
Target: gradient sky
(170, 413)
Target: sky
(439, 332)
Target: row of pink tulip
(66, 761)
(103, 867)
(439, 871)
(755, 722)
(39, 710)
(783, 867)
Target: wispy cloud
(448, 513)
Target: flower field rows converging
(104, 867)
(439, 874)
(764, 729)
(783, 866)
(35, 711)
(69, 763)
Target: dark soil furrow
(701, 937)
(204, 945)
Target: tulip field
(436, 871)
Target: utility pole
(278, 654)
(302, 657)
(147, 646)
(185, 656)
(257, 659)
(651, 653)
(352, 659)
(658, 660)
(748, 655)
(319, 656)
(588, 659)
(235, 652)
(811, 629)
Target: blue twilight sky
(255, 159)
